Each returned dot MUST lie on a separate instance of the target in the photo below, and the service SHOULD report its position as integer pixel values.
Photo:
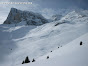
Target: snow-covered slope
(56, 17)
(72, 54)
(17, 42)
(17, 16)
(76, 16)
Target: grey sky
(46, 7)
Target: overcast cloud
(45, 7)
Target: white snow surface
(71, 54)
(17, 42)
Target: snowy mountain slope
(72, 54)
(76, 16)
(56, 17)
(17, 16)
(38, 41)
(17, 42)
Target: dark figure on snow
(51, 51)
(33, 60)
(81, 43)
(23, 62)
(47, 57)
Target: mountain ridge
(17, 16)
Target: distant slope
(56, 17)
(76, 16)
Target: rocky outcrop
(16, 16)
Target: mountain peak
(30, 18)
(13, 9)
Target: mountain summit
(30, 18)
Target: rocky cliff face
(56, 17)
(16, 16)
